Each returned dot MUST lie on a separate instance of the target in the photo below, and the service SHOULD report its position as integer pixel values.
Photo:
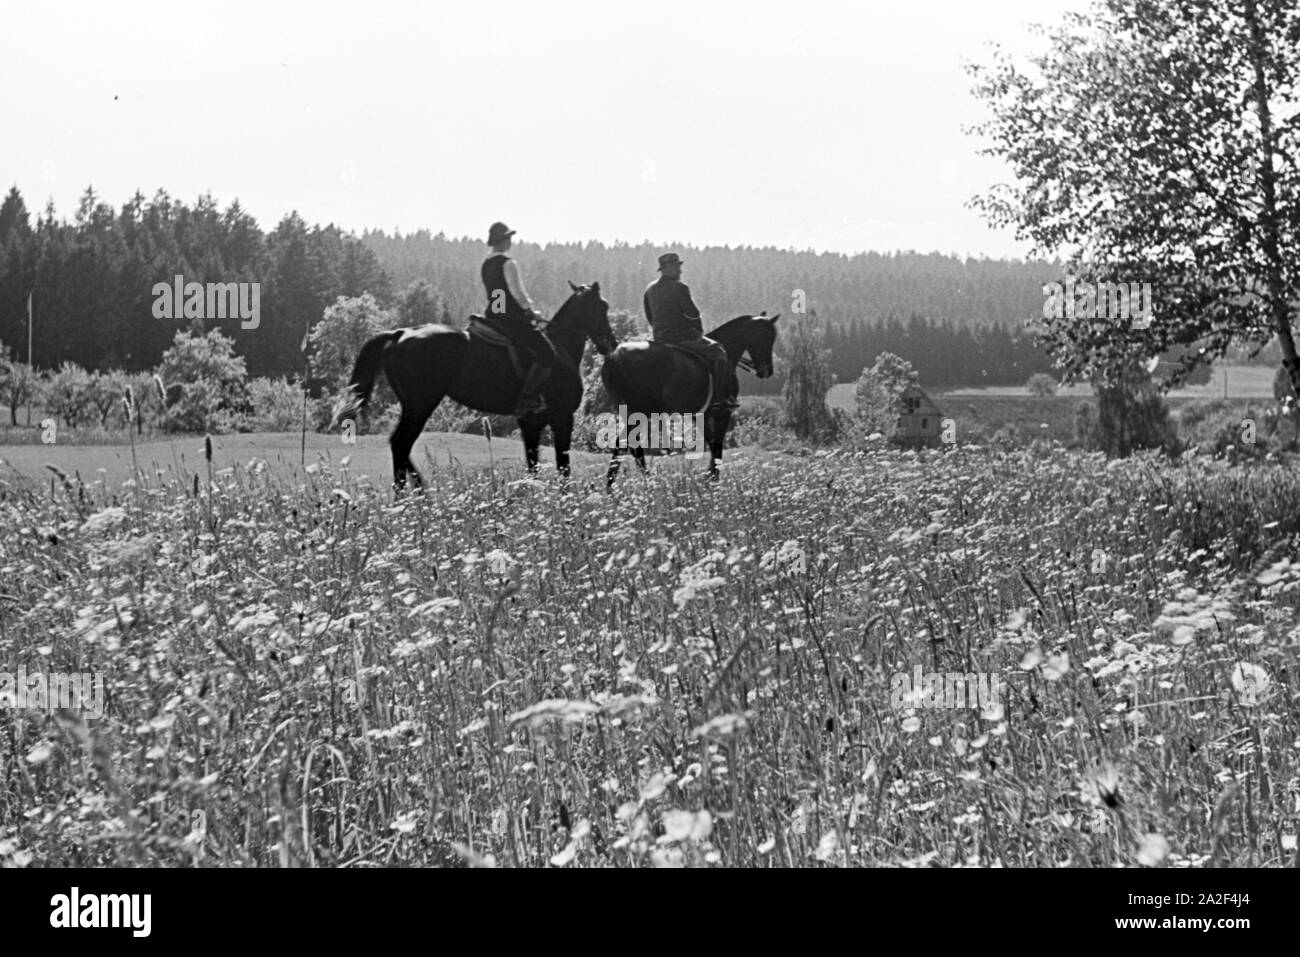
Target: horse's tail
(357, 394)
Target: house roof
(925, 405)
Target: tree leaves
(1142, 155)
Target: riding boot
(722, 398)
(531, 401)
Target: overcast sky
(824, 125)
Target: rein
(741, 361)
(554, 332)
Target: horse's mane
(568, 304)
(726, 326)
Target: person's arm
(690, 310)
(645, 304)
(515, 283)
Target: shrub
(875, 411)
(339, 336)
(1007, 438)
(150, 402)
(384, 422)
(1040, 383)
(69, 395)
(200, 407)
(761, 421)
(105, 394)
(206, 383)
(808, 379)
(276, 406)
(1222, 429)
(18, 383)
(595, 400)
(1193, 414)
(1132, 415)
(453, 417)
(876, 397)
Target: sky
(833, 126)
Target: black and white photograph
(581, 435)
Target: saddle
(682, 350)
(688, 352)
(486, 333)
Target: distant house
(919, 420)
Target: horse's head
(754, 336)
(759, 343)
(589, 314)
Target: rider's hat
(499, 233)
(669, 259)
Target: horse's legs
(400, 443)
(531, 430)
(416, 478)
(562, 434)
(717, 435)
(409, 427)
(615, 461)
(637, 448)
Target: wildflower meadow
(505, 670)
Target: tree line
(91, 283)
(91, 280)
(727, 282)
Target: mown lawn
(514, 671)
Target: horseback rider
(674, 318)
(513, 312)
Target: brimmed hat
(499, 233)
(669, 259)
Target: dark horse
(649, 377)
(428, 363)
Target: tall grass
(534, 673)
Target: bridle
(574, 331)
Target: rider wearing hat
(513, 311)
(674, 318)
